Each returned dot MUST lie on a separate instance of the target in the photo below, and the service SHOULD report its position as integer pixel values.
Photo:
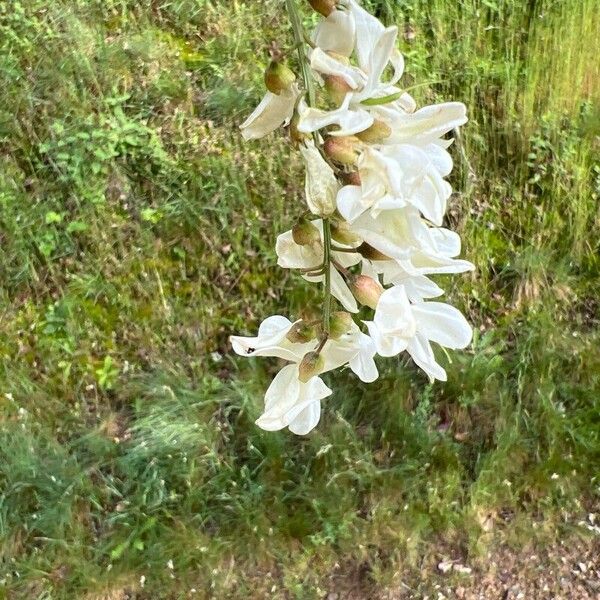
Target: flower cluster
(376, 198)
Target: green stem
(300, 40)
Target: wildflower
(399, 325)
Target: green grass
(137, 233)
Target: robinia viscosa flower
(371, 232)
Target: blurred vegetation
(137, 233)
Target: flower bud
(321, 186)
(297, 136)
(366, 290)
(341, 233)
(367, 251)
(305, 233)
(337, 88)
(301, 333)
(352, 178)
(312, 364)
(325, 7)
(339, 324)
(343, 150)
(279, 77)
(375, 134)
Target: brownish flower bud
(375, 134)
(296, 136)
(367, 251)
(312, 364)
(305, 233)
(366, 290)
(325, 7)
(339, 324)
(341, 233)
(337, 88)
(352, 178)
(301, 333)
(279, 77)
(343, 150)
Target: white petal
(349, 202)
(447, 242)
(321, 185)
(271, 113)
(271, 341)
(426, 124)
(270, 333)
(336, 33)
(342, 292)
(368, 31)
(363, 364)
(287, 398)
(379, 57)
(443, 324)
(307, 420)
(283, 394)
(394, 314)
(293, 256)
(349, 120)
(440, 158)
(420, 350)
(326, 65)
(386, 345)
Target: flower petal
(272, 112)
(350, 121)
(326, 65)
(443, 324)
(336, 33)
(363, 364)
(307, 420)
(420, 351)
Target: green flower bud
(279, 77)
(325, 7)
(301, 333)
(312, 364)
(375, 134)
(366, 290)
(339, 324)
(367, 251)
(341, 233)
(343, 150)
(305, 233)
(337, 88)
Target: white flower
(425, 126)
(290, 402)
(399, 325)
(321, 184)
(418, 249)
(395, 177)
(272, 112)
(294, 256)
(375, 48)
(418, 287)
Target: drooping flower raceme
(376, 196)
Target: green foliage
(137, 233)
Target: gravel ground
(566, 571)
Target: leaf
(53, 217)
(383, 100)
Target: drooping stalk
(309, 84)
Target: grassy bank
(137, 233)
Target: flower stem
(300, 40)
